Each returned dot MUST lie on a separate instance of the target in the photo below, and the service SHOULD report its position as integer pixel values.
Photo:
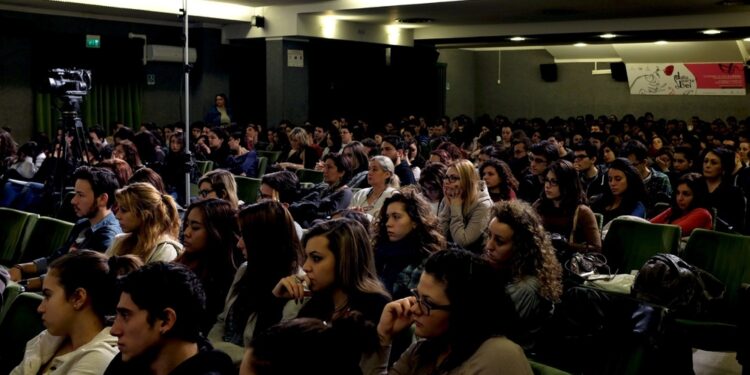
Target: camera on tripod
(70, 82)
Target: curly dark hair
(508, 182)
(426, 232)
(532, 250)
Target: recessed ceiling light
(746, 39)
(415, 20)
(711, 32)
(518, 39)
(580, 44)
(608, 36)
(661, 42)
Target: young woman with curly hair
(501, 184)
(150, 223)
(519, 248)
(563, 209)
(465, 209)
(406, 233)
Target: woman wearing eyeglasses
(563, 209)
(518, 247)
(220, 184)
(460, 317)
(465, 209)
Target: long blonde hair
(158, 216)
(469, 181)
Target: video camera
(70, 82)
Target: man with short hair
(519, 162)
(541, 156)
(158, 323)
(393, 147)
(682, 162)
(346, 136)
(92, 202)
(658, 187)
(319, 136)
(593, 180)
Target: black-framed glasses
(451, 178)
(428, 306)
(550, 181)
(205, 193)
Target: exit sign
(93, 41)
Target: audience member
(460, 317)
(500, 182)
(150, 223)
(92, 202)
(465, 209)
(383, 182)
(689, 205)
(218, 183)
(625, 195)
(79, 293)
(272, 252)
(160, 310)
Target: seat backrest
(46, 235)
(204, 166)
(724, 255)
(13, 224)
(247, 188)
(12, 290)
(310, 175)
(599, 221)
(20, 324)
(272, 156)
(629, 244)
(262, 165)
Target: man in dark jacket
(158, 323)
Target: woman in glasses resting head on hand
(461, 318)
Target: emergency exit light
(93, 41)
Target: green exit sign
(93, 41)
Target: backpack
(669, 281)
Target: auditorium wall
(522, 93)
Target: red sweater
(696, 218)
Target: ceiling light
(711, 32)
(580, 44)
(661, 42)
(608, 36)
(747, 39)
(518, 39)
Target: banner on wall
(686, 79)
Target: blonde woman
(383, 183)
(150, 223)
(219, 184)
(301, 155)
(465, 209)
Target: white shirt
(91, 358)
(359, 200)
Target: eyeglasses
(451, 178)
(550, 181)
(428, 306)
(205, 193)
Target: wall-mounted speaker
(619, 73)
(549, 72)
